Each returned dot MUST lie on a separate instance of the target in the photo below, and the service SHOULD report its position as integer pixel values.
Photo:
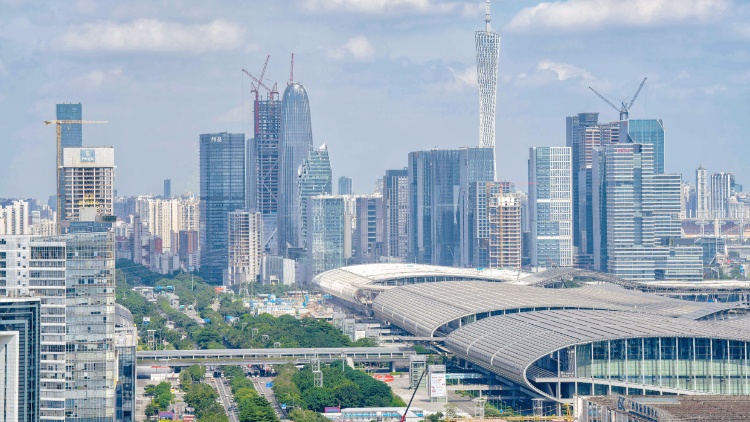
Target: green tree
(317, 398)
(347, 394)
(302, 415)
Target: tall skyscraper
(504, 216)
(20, 351)
(722, 185)
(475, 231)
(222, 190)
(325, 234)
(345, 185)
(488, 55)
(167, 188)
(71, 133)
(396, 204)
(14, 218)
(550, 206)
(88, 181)
(439, 182)
(263, 178)
(315, 178)
(575, 139)
(294, 147)
(369, 233)
(702, 194)
(126, 341)
(245, 247)
(637, 218)
(649, 131)
(35, 266)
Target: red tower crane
(273, 91)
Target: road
(227, 400)
(267, 392)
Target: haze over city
(384, 78)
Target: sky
(384, 77)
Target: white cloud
(97, 79)
(564, 71)
(583, 15)
(466, 9)
(358, 48)
(714, 89)
(154, 36)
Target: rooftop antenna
(487, 19)
(291, 71)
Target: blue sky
(384, 77)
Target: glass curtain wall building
(575, 135)
(325, 215)
(294, 148)
(222, 190)
(20, 350)
(315, 178)
(550, 206)
(396, 204)
(345, 185)
(651, 132)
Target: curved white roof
(360, 283)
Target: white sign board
(437, 385)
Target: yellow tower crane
(58, 124)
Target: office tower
(438, 184)
(488, 55)
(649, 131)
(245, 247)
(35, 266)
(126, 341)
(167, 188)
(396, 204)
(637, 218)
(475, 230)
(575, 137)
(315, 178)
(14, 218)
(550, 206)
(71, 133)
(702, 194)
(721, 189)
(222, 184)
(263, 169)
(294, 148)
(504, 216)
(345, 185)
(88, 181)
(325, 234)
(19, 358)
(369, 233)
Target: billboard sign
(437, 385)
(88, 156)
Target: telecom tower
(488, 55)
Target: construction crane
(273, 92)
(58, 128)
(625, 107)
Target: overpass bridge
(274, 356)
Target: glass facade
(575, 135)
(21, 316)
(71, 133)
(294, 148)
(222, 190)
(651, 132)
(126, 340)
(325, 233)
(315, 178)
(550, 206)
(650, 365)
(345, 185)
(396, 203)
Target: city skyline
(377, 63)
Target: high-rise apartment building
(637, 218)
(19, 362)
(88, 181)
(263, 175)
(345, 185)
(488, 56)
(369, 234)
(475, 230)
(396, 209)
(439, 181)
(550, 206)
(165, 218)
(325, 234)
(651, 132)
(245, 247)
(504, 217)
(722, 185)
(14, 218)
(35, 266)
(702, 194)
(222, 190)
(294, 148)
(315, 178)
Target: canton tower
(488, 55)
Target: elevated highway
(274, 356)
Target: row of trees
(252, 407)
(161, 397)
(347, 388)
(200, 396)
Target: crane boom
(604, 98)
(638, 91)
